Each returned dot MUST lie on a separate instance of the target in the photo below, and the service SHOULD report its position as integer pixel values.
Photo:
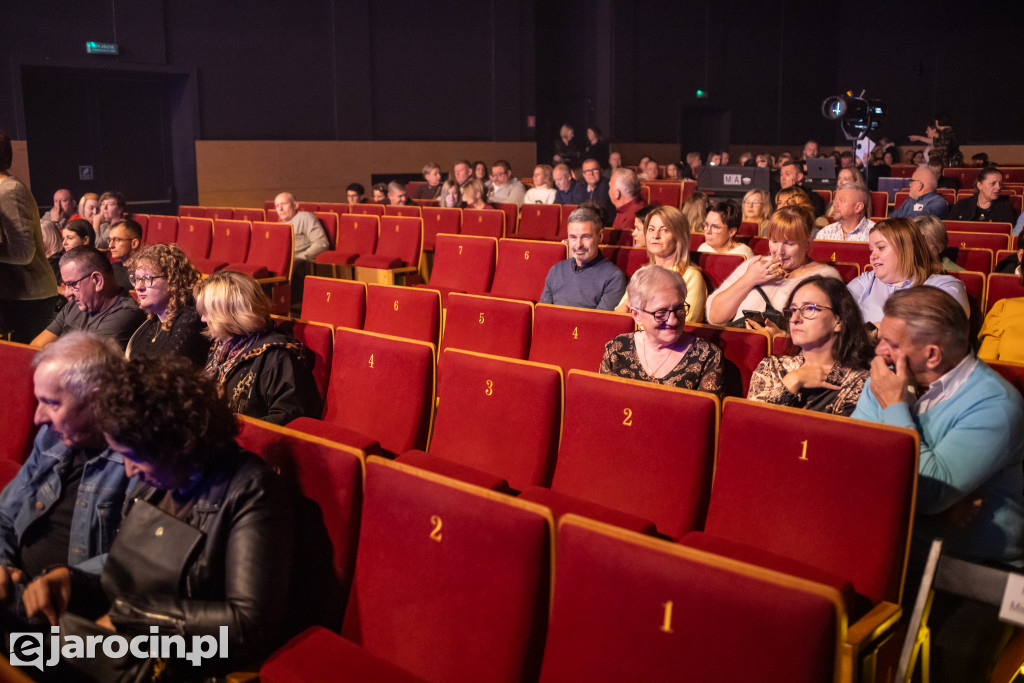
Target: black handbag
(770, 313)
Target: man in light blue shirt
(924, 200)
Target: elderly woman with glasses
(164, 279)
(662, 351)
(833, 354)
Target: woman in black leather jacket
(206, 538)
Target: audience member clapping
(834, 354)
(662, 350)
(900, 259)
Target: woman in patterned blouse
(662, 351)
(829, 371)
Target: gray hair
(626, 181)
(933, 316)
(863, 195)
(585, 214)
(82, 357)
(89, 257)
(649, 279)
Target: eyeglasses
(752, 202)
(74, 284)
(807, 311)
(708, 227)
(661, 315)
(119, 239)
(146, 280)
(592, 170)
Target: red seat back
(162, 230)
(879, 205)
(978, 240)
(272, 248)
(407, 312)
(628, 259)
(485, 324)
(979, 226)
(483, 223)
(318, 337)
(407, 211)
(401, 238)
(742, 350)
(669, 193)
(329, 220)
(334, 207)
(1002, 286)
(195, 235)
(511, 211)
(230, 243)
(191, 211)
(464, 263)
(523, 266)
(250, 215)
(339, 303)
(215, 212)
(357, 234)
(978, 260)
(17, 423)
(438, 220)
(1011, 372)
(143, 220)
(539, 221)
(717, 267)
(367, 209)
(835, 251)
(563, 221)
(574, 338)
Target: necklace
(654, 373)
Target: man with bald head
(849, 209)
(924, 200)
(64, 207)
(310, 237)
(567, 190)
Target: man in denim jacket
(64, 505)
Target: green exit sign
(94, 48)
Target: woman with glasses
(759, 287)
(265, 374)
(662, 350)
(667, 239)
(833, 352)
(899, 258)
(163, 278)
(720, 227)
(757, 208)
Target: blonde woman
(757, 208)
(667, 237)
(265, 374)
(543, 190)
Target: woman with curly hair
(205, 543)
(163, 278)
(265, 374)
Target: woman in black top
(986, 204)
(163, 278)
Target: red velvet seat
(483, 223)
(229, 244)
(367, 209)
(485, 324)
(879, 205)
(357, 235)
(523, 266)
(162, 230)
(408, 211)
(741, 349)
(271, 251)
(312, 207)
(437, 220)
(1002, 286)
(318, 654)
(195, 235)
(826, 195)
(978, 260)
(747, 229)
(334, 207)
(628, 259)
(629, 607)
(451, 581)
(191, 211)
(381, 393)
(563, 221)
(842, 498)
(717, 267)
(539, 221)
(978, 226)
(219, 212)
(143, 220)
(511, 211)
(974, 283)
(667, 193)
(329, 477)
(617, 237)
(574, 338)
(270, 209)
(318, 337)
(835, 250)
(329, 220)
(847, 271)
(16, 419)
(407, 312)
(463, 263)
(339, 303)
(496, 415)
(622, 447)
(978, 240)
(250, 215)
(399, 246)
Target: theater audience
(63, 209)
(639, 223)
(95, 302)
(935, 237)
(380, 193)
(850, 210)
(923, 197)
(397, 195)
(450, 196)
(695, 208)
(720, 227)
(355, 193)
(504, 187)
(28, 288)
(264, 374)
(662, 350)
(481, 173)
(667, 238)
(206, 540)
(1002, 334)
(61, 507)
(113, 208)
(762, 284)
(567, 190)
(595, 188)
(78, 233)
(850, 176)
(462, 171)
(88, 207)
(900, 259)
(543, 190)
(432, 174)
(650, 170)
(791, 174)
(473, 195)
(125, 237)
(985, 204)
(672, 172)
(164, 279)
(586, 279)
(624, 193)
(757, 208)
(834, 353)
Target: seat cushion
(336, 433)
(380, 262)
(856, 605)
(317, 654)
(447, 468)
(336, 258)
(207, 266)
(250, 269)
(561, 504)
